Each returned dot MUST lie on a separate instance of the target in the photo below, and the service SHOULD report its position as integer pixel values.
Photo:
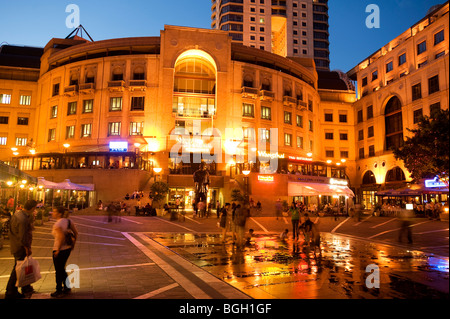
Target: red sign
(300, 159)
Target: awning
(413, 190)
(315, 189)
(66, 185)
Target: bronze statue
(201, 182)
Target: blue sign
(434, 183)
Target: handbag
(28, 272)
(70, 236)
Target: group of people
(302, 224)
(233, 218)
(430, 209)
(21, 238)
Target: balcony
(138, 85)
(289, 101)
(87, 88)
(267, 95)
(248, 92)
(71, 90)
(302, 106)
(116, 86)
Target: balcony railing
(116, 85)
(267, 95)
(249, 92)
(71, 90)
(289, 101)
(138, 85)
(87, 88)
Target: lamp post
(157, 170)
(66, 147)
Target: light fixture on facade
(309, 154)
(14, 149)
(329, 161)
(246, 173)
(157, 170)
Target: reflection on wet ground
(271, 268)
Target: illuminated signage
(300, 159)
(434, 183)
(339, 182)
(118, 146)
(266, 178)
(270, 155)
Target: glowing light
(266, 178)
(157, 170)
(66, 145)
(24, 181)
(14, 149)
(329, 161)
(137, 144)
(9, 183)
(309, 154)
(246, 173)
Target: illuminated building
(286, 27)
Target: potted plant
(158, 192)
(38, 218)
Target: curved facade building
(115, 110)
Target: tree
(426, 151)
(158, 191)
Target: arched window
(369, 178)
(394, 123)
(395, 175)
(194, 85)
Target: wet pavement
(271, 268)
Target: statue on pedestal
(201, 183)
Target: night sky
(27, 23)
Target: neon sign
(266, 178)
(270, 155)
(118, 146)
(300, 159)
(339, 182)
(434, 183)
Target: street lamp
(157, 170)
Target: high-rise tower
(297, 28)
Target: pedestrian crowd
(21, 229)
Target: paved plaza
(158, 258)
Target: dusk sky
(29, 23)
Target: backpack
(70, 236)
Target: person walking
(21, 237)
(405, 226)
(241, 216)
(224, 221)
(278, 208)
(295, 218)
(61, 250)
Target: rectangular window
(4, 120)
(328, 117)
(5, 98)
(70, 132)
(342, 118)
(287, 118)
(433, 84)
(416, 91)
(370, 132)
(300, 141)
(311, 126)
(343, 136)
(288, 139)
(375, 75)
(86, 130)
(417, 115)
(389, 67)
(25, 100)
(51, 134)
(136, 128)
(266, 113)
(3, 140)
(138, 103)
(310, 106)
(360, 116)
(421, 65)
(329, 136)
(361, 153)
(370, 112)
(300, 121)
(114, 128)
(361, 135)
(439, 37)
(249, 133)
(54, 111)
(435, 109)
(364, 81)
(55, 89)
(264, 135)
(329, 153)
(22, 121)
(402, 59)
(440, 54)
(371, 151)
(21, 141)
(72, 108)
(248, 110)
(421, 47)
(88, 106)
(115, 104)
(344, 154)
